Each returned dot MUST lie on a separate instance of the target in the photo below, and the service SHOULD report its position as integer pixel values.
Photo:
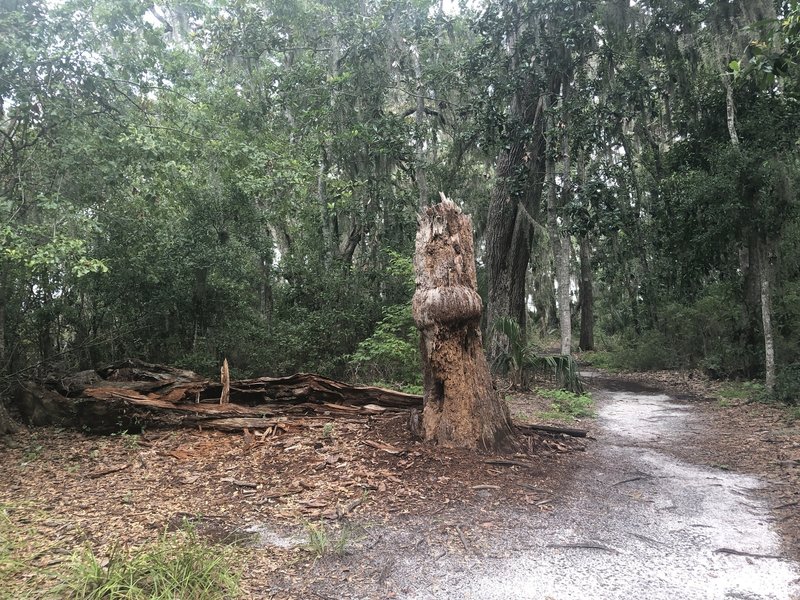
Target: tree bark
(419, 121)
(765, 277)
(461, 408)
(586, 296)
(516, 197)
(515, 201)
(322, 200)
(764, 266)
(561, 255)
(730, 111)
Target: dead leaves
(117, 492)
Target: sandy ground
(632, 521)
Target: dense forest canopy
(187, 181)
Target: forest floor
(678, 492)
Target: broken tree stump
(461, 408)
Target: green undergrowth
(521, 362)
(408, 388)
(178, 565)
(749, 391)
(23, 573)
(602, 359)
(785, 396)
(566, 406)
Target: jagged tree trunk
(461, 407)
(587, 296)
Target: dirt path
(632, 520)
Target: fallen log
(133, 394)
(305, 387)
(529, 429)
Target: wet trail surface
(633, 522)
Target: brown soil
(73, 490)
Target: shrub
(567, 405)
(391, 353)
(517, 359)
(650, 352)
(520, 360)
(787, 385)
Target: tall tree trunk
(515, 199)
(508, 243)
(560, 239)
(765, 277)
(561, 254)
(509, 229)
(322, 200)
(419, 120)
(461, 408)
(730, 110)
(586, 296)
(750, 326)
(763, 259)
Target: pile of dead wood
(133, 394)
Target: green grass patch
(324, 540)
(566, 406)
(179, 565)
(521, 416)
(741, 390)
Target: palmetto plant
(564, 369)
(519, 360)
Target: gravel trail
(633, 522)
